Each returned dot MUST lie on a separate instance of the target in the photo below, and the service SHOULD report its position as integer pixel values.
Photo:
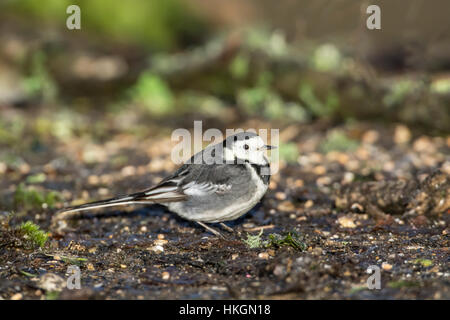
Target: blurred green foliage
(315, 105)
(153, 23)
(337, 140)
(326, 58)
(153, 94)
(11, 131)
(30, 198)
(39, 82)
(289, 152)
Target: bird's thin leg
(229, 229)
(217, 233)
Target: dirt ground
(384, 202)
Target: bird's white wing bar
(161, 190)
(202, 189)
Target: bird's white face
(250, 150)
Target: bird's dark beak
(267, 147)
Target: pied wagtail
(220, 183)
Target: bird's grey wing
(169, 189)
(197, 180)
(206, 179)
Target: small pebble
(286, 206)
(160, 242)
(157, 249)
(319, 170)
(3, 167)
(17, 296)
(280, 196)
(317, 251)
(309, 204)
(357, 208)
(263, 255)
(346, 222)
(165, 275)
(386, 266)
(402, 134)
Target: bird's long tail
(159, 194)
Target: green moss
(36, 178)
(27, 274)
(33, 234)
(357, 289)
(402, 284)
(52, 295)
(291, 239)
(424, 262)
(74, 260)
(30, 198)
(254, 241)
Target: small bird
(220, 183)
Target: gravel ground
(382, 199)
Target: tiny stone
(386, 266)
(348, 177)
(357, 208)
(319, 170)
(279, 270)
(280, 196)
(160, 242)
(370, 137)
(286, 206)
(165, 275)
(157, 249)
(402, 134)
(17, 296)
(346, 222)
(317, 251)
(299, 183)
(3, 167)
(323, 181)
(309, 204)
(263, 255)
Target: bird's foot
(211, 229)
(229, 229)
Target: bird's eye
(246, 147)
